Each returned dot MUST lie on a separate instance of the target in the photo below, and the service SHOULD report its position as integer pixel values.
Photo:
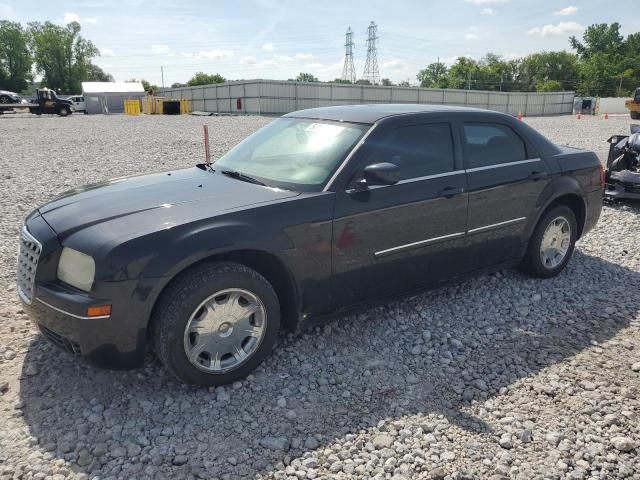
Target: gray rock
(382, 440)
(180, 460)
(311, 443)
(276, 443)
(623, 444)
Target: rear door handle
(538, 175)
(449, 192)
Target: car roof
(371, 113)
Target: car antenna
(207, 155)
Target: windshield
(292, 153)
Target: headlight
(76, 268)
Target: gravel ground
(499, 377)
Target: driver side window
(419, 150)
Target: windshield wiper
(242, 176)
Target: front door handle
(449, 192)
(535, 176)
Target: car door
(393, 238)
(505, 179)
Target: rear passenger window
(491, 144)
(419, 150)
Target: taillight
(601, 174)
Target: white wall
(612, 105)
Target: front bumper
(624, 184)
(60, 312)
(116, 341)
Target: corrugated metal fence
(271, 97)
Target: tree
(15, 58)
(463, 74)
(306, 77)
(602, 55)
(542, 68)
(386, 82)
(178, 85)
(340, 80)
(96, 74)
(201, 78)
(363, 81)
(61, 55)
(434, 76)
(549, 86)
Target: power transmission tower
(349, 71)
(371, 71)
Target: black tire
(180, 300)
(5, 99)
(635, 115)
(63, 112)
(532, 263)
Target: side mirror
(380, 174)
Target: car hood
(150, 196)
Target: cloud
(107, 52)
(487, 2)
(487, 11)
(74, 17)
(7, 12)
(303, 56)
(565, 12)
(214, 54)
(471, 36)
(159, 49)
(560, 29)
(249, 60)
(394, 64)
(267, 47)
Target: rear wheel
(216, 323)
(63, 112)
(552, 244)
(4, 99)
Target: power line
(349, 70)
(371, 71)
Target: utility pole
(371, 71)
(349, 71)
(162, 74)
(437, 72)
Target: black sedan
(319, 212)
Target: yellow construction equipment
(132, 106)
(634, 105)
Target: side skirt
(309, 322)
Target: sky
(277, 39)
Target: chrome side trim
(408, 246)
(79, 317)
(496, 225)
(346, 160)
(429, 177)
(500, 165)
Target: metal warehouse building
(109, 97)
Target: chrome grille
(30, 250)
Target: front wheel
(552, 243)
(216, 323)
(635, 115)
(63, 112)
